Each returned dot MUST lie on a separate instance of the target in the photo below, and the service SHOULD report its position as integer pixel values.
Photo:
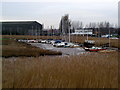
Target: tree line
(97, 27)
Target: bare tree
(75, 24)
(81, 25)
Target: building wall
(21, 28)
(83, 32)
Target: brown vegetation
(91, 70)
(79, 39)
(12, 48)
(95, 70)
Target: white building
(83, 32)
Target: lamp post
(69, 26)
(109, 37)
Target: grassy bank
(12, 48)
(95, 70)
(79, 39)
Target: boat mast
(62, 30)
(109, 37)
(69, 29)
(86, 31)
(87, 36)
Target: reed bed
(12, 48)
(92, 70)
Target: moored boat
(94, 49)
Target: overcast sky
(49, 12)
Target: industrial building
(83, 32)
(21, 28)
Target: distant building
(83, 32)
(50, 32)
(44, 32)
(21, 28)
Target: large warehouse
(21, 28)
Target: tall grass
(94, 70)
(12, 48)
(91, 70)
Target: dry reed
(95, 70)
(12, 48)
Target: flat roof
(19, 22)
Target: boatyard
(68, 48)
(60, 44)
